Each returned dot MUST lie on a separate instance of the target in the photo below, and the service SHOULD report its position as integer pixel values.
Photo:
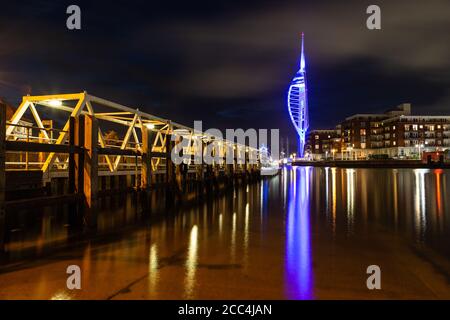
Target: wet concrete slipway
(309, 233)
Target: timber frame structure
(112, 153)
(44, 161)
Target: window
(431, 128)
(421, 126)
(438, 126)
(393, 127)
(414, 126)
(363, 145)
(317, 147)
(394, 143)
(317, 137)
(362, 132)
(406, 127)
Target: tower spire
(302, 58)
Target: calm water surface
(308, 233)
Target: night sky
(229, 63)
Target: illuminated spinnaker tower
(297, 102)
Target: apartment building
(323, 144)
(394, 134)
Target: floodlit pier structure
(74, 147)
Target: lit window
(317, 137)
(317, 147)
(414, 127)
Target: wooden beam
(118, 152)
(70, 96)
(146, 169)
(40, 147)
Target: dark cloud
(229, 63)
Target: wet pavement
(309, 233)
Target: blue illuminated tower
(297, 102)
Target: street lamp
(54, 103)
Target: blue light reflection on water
(298, 260)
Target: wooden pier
(101, 146)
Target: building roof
(367, 115)
(419, 117)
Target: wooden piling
(83, 167)
(90, 187)
(146, 167)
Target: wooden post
(170, 172)
(146, 168)
(83, 170)
(72, 130)
(229, 166)
(90, 187)
(2, 175)
(199, 167)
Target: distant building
(323, 144)
(394, 134)
(408, 136)
(363, 133)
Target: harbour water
(308, 233)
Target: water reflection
(153, 268)
(350, 173)
(191, 263)
(420, 221)
(298, 273)
(260, 235)
(233, 238)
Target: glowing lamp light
(55, 103)
(150, 126)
